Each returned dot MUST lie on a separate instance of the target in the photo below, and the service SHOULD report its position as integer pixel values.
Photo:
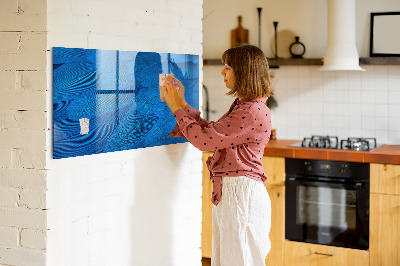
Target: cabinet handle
(324, 254)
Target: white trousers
(241, 223)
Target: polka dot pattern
(238, 139)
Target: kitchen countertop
(389, 154)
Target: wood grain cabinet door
(277, 233)
(385, 178)
(206, 225)
(274, 168)
(304, 254)
(384, 236)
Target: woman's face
(229, 76)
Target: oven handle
(357, 185)
(324, 254)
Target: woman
(242, 208)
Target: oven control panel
(325, 167)
(338, 169)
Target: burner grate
(358, 144)
(332, 142)
(327, 142)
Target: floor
(206, 261)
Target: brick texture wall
(23, 129)
(137, 207)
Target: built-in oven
(327, 202)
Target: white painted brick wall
(33, 159)
(22, 256)
(30, 52)
(7, 80)
(23, 139)
(23, 218)
(23, 178)
(23, 132)
(9, 6)
(26, 61)
(32, 198)
(123, 208)
(9, 237)
(16, 19)
(31, 80)
(21, 100)
(9, 42)
(34, 239)
(5, 158)
(29, 119)
(8, 197)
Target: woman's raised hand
(181, 90)
(174, 93)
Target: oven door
(327, 213)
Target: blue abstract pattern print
(109, 100)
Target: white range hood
(341, 51)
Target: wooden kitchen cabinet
(385, 178)
(277, 233)
(206, 225)
(305, 254)
(384, 237)
(274, 168)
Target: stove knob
(343, 168)
(308, 166)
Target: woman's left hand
(170, 90)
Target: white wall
(136, 207)
(305, 18)
(343, 104)
(311, 102)
(23, 132)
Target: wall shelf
(380, 61)
(274, 63)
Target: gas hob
(332, 142)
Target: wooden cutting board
(239, 35)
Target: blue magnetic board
(109, 100)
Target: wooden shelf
(212, 62)
(380, 61)
(274, 63)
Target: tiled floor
(206, 261)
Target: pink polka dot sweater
(238, 139)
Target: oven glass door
(325, 207)
(326, 213)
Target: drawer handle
(324, 254)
